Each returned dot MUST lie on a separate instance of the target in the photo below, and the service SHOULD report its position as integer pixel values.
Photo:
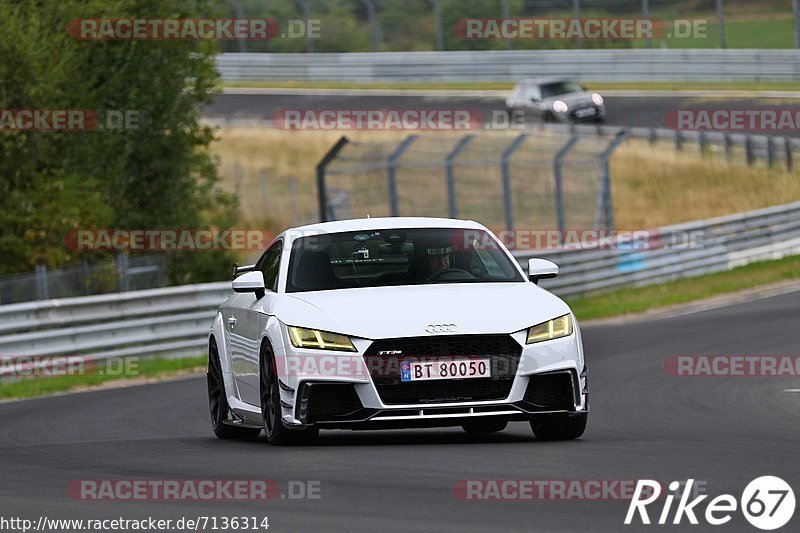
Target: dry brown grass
(651, 185)
(655, 186)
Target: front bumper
(546, 378)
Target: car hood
(406, 311)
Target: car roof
(378, 223)
(544, 80)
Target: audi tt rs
(393, 323)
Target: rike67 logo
(767, 503)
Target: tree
(156, 174)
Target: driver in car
(438, 259)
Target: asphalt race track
(628, 111)
(644, 424)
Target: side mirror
(541, 269)
(250, 282)
(241, 269)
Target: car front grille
(384, 357)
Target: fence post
(321, 168)
(85, 273)
(42, 292)
(504, 161)
(787, 143)
(678, 140)
(727, 141)
(392, 172)
(437, 24)
(770, 151)
(306, 17)
(559, 158)
(701, 142)
(748, 150)
(122, 273)
(605, 194)
(452, 207)
(652, 136)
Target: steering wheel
(453, 274)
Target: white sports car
(393, 322)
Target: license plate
(585, 112)
(454, 369)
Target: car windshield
(379, 258)
(559, 88)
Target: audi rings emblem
(441, 328)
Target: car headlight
(319, 340)
(597, 99)
(552, 329)
(560, 106)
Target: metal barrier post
(727, 141)
(392, 171)
(748, 150)
(559, 158)
(122, 273)
(605, 193)
(787, 144)
(770, 151)
(452, 208)
(321, 187)
(42, 292)
(504, 161)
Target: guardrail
(512, 65)
(174, 321)
(726, 242)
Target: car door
(251, 323)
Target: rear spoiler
(242, 269)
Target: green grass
(638, 299)
(507, 86)
(146, 368)
(746, 33)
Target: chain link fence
(119, 275)
(540, 179)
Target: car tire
(489, 425)
(218, 401)
(559, 427)
(277, 433)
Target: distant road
(625, 108)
